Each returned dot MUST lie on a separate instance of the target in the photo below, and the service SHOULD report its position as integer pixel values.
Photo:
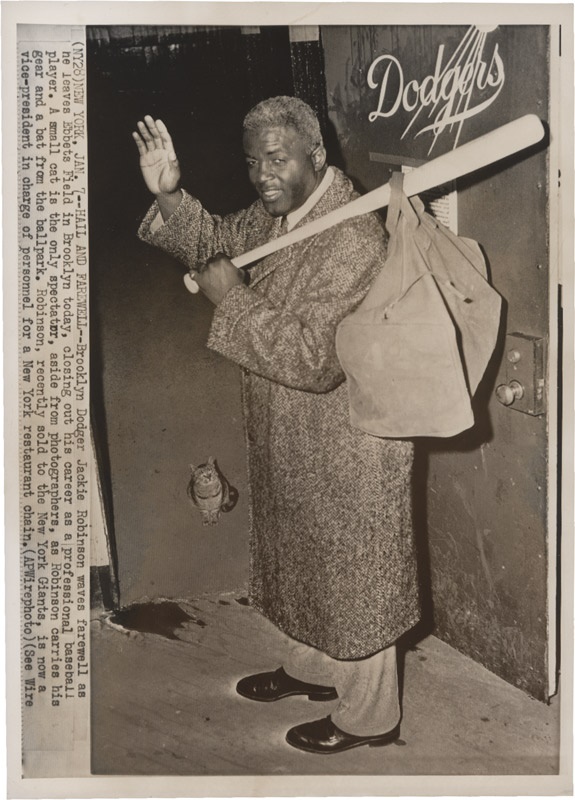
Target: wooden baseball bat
(480, 152)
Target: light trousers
(367, 688)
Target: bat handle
(190, 284)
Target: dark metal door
(399, 96)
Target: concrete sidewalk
(168, 707)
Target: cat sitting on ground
(210, 492)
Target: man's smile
(270, 194)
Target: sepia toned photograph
(294, 303)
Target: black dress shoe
(265, 687)
(323, 736)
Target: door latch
(524, 367)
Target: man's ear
(318, 158)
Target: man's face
(279, 168)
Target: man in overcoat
(332, 560)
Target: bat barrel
(480, 152)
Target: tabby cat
(210, 492)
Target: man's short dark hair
(286, 112)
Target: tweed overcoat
(332, 559)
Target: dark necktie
(280, 227)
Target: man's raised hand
(158, 160)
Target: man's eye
(251, 163)
(279, 161)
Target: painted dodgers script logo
(448, 93)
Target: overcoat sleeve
(192, 235)
(293, 342)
